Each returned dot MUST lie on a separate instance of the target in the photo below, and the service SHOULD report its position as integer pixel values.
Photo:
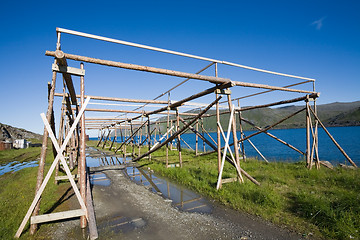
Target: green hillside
(333, 114)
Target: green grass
(19, 155)
(17, 192)
(324, 203)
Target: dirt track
(125, 210)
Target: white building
(20, 143)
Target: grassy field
(320, 203)
(324, 203)
(17, 192)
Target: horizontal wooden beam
(176, 53)
(57, 216)
(192, 97)
(68, 70)
(65, 177)
(135, 112)
(118, 99)
(166, 71)
(59, 53)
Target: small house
(20, 143)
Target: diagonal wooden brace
(48, 175)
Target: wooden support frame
(332, 138)
(165, 71)
(186, 126)
(48, 175)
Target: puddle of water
(122, 224)
(96, 158)
(182, 198)
(99, 179)
(14, 166)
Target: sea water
(347, 137)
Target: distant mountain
(11, 133)
(333, 114)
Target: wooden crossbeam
(57, 216)
(57, 178)
(68, 70)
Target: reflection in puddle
(122, 224)
(99, 179)
(14, 166)
(182, 198)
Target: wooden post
(61, 129)
(140, 136)
(83, 222)
(197, 137)
(308, 159)
(72, 152)
(133, 138)
(316, 137)
(90, 208)
(202, 132)
(178, 137)
(102, 135)
(171, 145)
(242, 136)
(167, 132)
(149, 136)
(236, 145)
(125, 137)
(333, 139)
(186, 126)
(218, 131)
(40, 174)
(106, 139)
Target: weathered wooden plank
(68, 70)
(57, 216)
(75, 176)
(61, 55)
(229, 180)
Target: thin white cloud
(318, 23)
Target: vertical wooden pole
(83, 222)
(72, 152)
(171, 132)
(149, 136)
(178, 137)
(167, 132)
(308, 163)
(40, 174)
(132, 139)
(202, 132)
(236, 145)
(140, 135)
(316, 138)
(61, 129)
(125, 137)
(217, 127)
(196, 138)
(242, 134)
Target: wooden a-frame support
(60, 156)
(227, 138)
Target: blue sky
(316, 39)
